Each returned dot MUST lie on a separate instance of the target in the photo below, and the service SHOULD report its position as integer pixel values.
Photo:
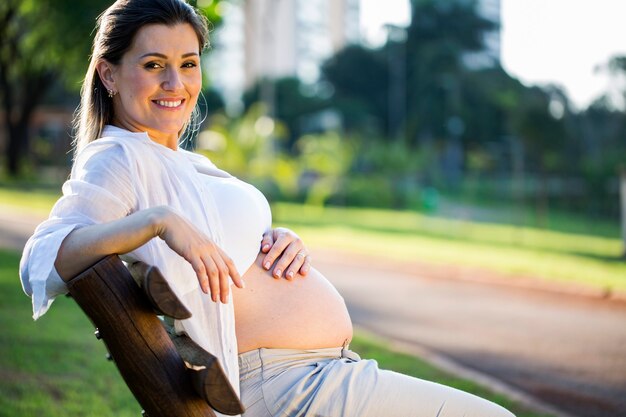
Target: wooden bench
(169, 375)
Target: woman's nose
(172, 80)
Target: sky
(543, 41)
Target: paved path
(567, 351)
(16, 227)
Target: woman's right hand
(211, 264)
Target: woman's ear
(107, 75)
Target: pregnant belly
(304, 313)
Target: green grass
(55, 367)
(524, 213)
(513, 251)
(36, 198)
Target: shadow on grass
(619, 259)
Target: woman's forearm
(213, 267)
(85, 246)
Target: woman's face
(157, 82)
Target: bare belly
(304, 313)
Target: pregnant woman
(133, 191)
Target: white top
(124, 172)
(245, 215)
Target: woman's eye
(189, 65)
(153, 65)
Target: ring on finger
(301, 253)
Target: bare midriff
(304, 313)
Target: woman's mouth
(169, 103)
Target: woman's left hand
(286, 249)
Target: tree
(544, 137)
(431, 57)
(603, 149)
(617, 70)
(360, 77)
(440, 33)
(294, 104)
(43, 42)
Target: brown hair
(115, 31)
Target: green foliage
(366, 191)
(489, 99)
(295, 104)
(481, 113)
(51, 36)
(248, 148)
(360, 77)
(533, 122)
(324, 161)
(383, 174)
(212, 9)
(43, 43)
(441, 32)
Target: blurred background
(486, 110)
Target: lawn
(565, 257)
(36, 198)
(55, 367)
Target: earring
(111, 93)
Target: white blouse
(124, 172)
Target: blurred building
(278, 38)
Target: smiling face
(157, 82)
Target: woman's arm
(85, 246)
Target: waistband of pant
(257, 358)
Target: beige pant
(336, 382)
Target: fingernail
(267, 265)
(278, 273)
(266, 247)
(243, 284)
(290, 274)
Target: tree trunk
(19, 114)
(622, 189)
(542, 199)
(17, 146)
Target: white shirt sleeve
(99, 190)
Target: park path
(562, 352)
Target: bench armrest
(144, 353)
